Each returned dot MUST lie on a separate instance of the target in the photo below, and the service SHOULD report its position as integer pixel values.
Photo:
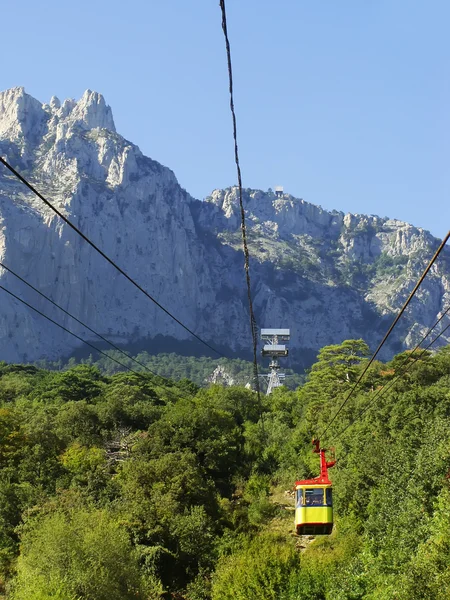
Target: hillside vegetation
(129, 486)
(197, 369)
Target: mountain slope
(326, 275)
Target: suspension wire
(389, 331)
(71, 332)
(411, 360)
(385, 388)
(253, 326)
(77, 320)
(167, 390)
(105, 256)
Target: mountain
(328, 276)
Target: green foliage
(190, 372)
(429, 573)
(207, 425)
(263, 568)
(334, 373)
(77, 553)
(331, 569)
(118, 485)
(386, 264)
(79, 383)
(260, 509)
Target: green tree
(77, 554)
(171, 511)
(79, 383)
(333, 375)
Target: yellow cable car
(314, 499)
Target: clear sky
(346, 104)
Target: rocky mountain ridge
(326, 275)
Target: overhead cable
(409, 362)
(70, 332)
(384, 389)
(105, 256)
(76, 319)
(253, 326)
(389, 331)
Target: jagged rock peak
(55, 103)
(92, 111)
(20, 114)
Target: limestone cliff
(326, 275)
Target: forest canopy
(128, 485)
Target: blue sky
(346, 104)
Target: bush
(262, 569)
(76, 554)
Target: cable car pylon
(275, 350)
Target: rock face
(220, 376)
(326, 275)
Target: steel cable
(389, 331)
(70, 332)
(411, 360)
(97, 249)
(76, 319)
(253, 326)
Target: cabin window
(329, 496)
(299, 498)
(314, 497)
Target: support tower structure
(275, 349)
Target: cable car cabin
(313, 508)
(314, 500)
